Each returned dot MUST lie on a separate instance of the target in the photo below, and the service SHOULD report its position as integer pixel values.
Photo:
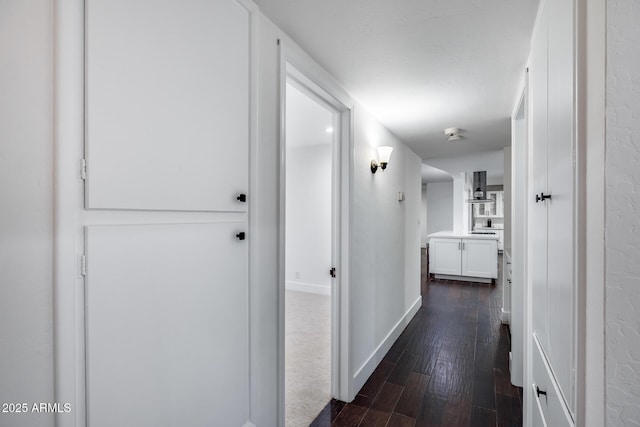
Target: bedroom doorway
(309, 141)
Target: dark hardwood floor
(448, 368)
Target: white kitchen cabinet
(465, 257)
(445, 256)
(479, 258)
(490, 209)
(551, 213)
(500, 234)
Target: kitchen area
(469, 250)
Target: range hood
(480, 188)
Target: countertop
(498, 227)
(463, 235)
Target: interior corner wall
(26, 217)
(423, 217)
(622, 213)
(384, 234)
(439, 206)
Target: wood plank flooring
(448, 368)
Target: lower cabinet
(464, 257)
(549, 406)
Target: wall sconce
(384, 154)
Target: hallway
(449, 367)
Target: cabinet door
(167, 325)
(167, 104)
(480, 258)
(444, 256)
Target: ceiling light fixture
(452, 134)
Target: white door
(444, 256)
(167, 103)
(537, 232)
(560, 173)
(167, 325)
(480, 258)
(166, 149)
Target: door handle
(241, 235)
(332, 272)
(242, 198)
(540, 392)
(542, 197)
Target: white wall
(26, 175)
(308, 213)
(622, 226)
(439, 206)
(385, 267)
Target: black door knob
(241, 198)
(241, 235)
(540, 392)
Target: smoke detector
(452, 134)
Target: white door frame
(300, 69)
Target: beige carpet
(307, 356)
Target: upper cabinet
(491, 209)
(167, 105)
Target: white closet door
(538, 212)
(561, 187)
(167, 326)
(167, 104)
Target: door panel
(560, 186)
(167, 325)
(167, 104)
(538, 213)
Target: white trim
(68, 284)
(249, 424)
(365, 371)
(590, 141)
(309, 288)
(296, 66)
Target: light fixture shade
(384, 154)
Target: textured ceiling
(421, 66)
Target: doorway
(309, 142)
(314, 230)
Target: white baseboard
(505, 317)
(372, 362)
(249, 424)
(308, 287)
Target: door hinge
(332, 272)
(83, 169)
(83, 265)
